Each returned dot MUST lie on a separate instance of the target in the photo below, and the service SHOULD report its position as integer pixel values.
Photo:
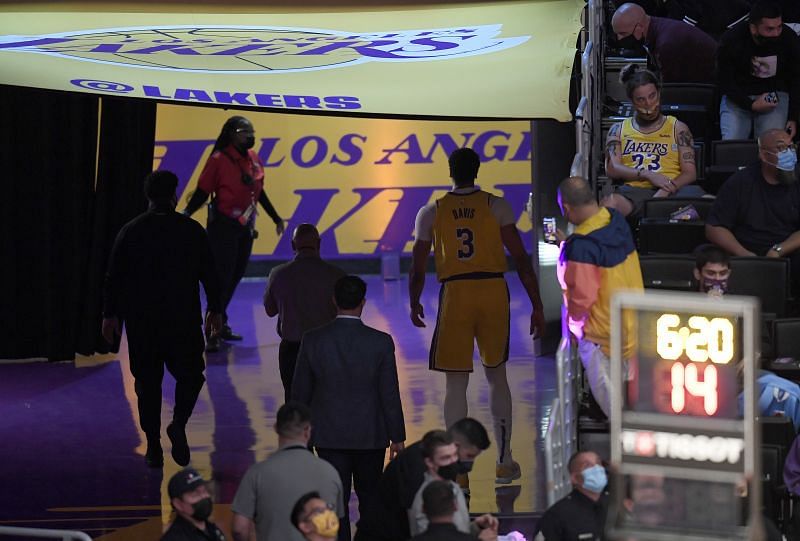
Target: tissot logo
(259, 49)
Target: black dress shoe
(154, 457)
(180, 446)
(227, 334)
(212, 344)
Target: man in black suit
(152, 285)
(346, 373)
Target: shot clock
(687, 364)
(681, 445)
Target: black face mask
(249, 143)
(202, 510)
(465, 466)
(449, 472)
(766, 40)
(630, 42)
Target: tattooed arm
(614, 167)
(687, 158)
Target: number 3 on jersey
(467, 248)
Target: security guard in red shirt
(234, 177)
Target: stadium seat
(763, 277)
(727, 157)
(777, 436)
(694, 104)
(786, 337)
(662, 236)
(734, 153)
(663, 207)
(672, 272)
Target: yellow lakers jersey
(657, 151)
(466, 236)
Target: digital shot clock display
(681, 444)
(685, 364)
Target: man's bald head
(773, 138)
(576, 200)
(576, 192)
(305, 237)
(626, 18)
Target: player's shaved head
(305, 236)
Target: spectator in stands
(582, 513)
(441, 461)
(596, 260)
(681, 52)
(439, 504)
(405, 474)
(712, 270)
(270, 488)
(758, 72)
(315, 518)
(192, 503)
(757, 210)
(652, 153)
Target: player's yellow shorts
(470, 310)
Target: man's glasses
(317, 510)
(249, 131)
(782, 147)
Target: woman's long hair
(228, 131)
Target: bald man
(680, 51)
(756, 210)
(596, 261)
(300, 293)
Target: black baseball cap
(184, 481)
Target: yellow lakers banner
(361, 181)
(495, 60)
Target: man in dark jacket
(439, 505)
(404, 475)
(152, 286)
(669, 42)
(346, 372)
(758, 72)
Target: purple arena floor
(72, 452)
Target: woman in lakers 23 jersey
(468, 230)
(651, 153)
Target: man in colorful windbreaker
(598, 259)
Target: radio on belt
(681, 450)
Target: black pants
(231, 244)
(364, 468)
(150, 347)
(287, 360)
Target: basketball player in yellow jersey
(651, 152)
(468, 229)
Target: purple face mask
(711, 283)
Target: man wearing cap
(300, 293)
(192, 503)
(152, 286)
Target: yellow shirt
(657, 151)
(466, 235)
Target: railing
(554, 456)
(66, 535)
(561, 439)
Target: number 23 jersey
(657, 151)
(465, 229)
